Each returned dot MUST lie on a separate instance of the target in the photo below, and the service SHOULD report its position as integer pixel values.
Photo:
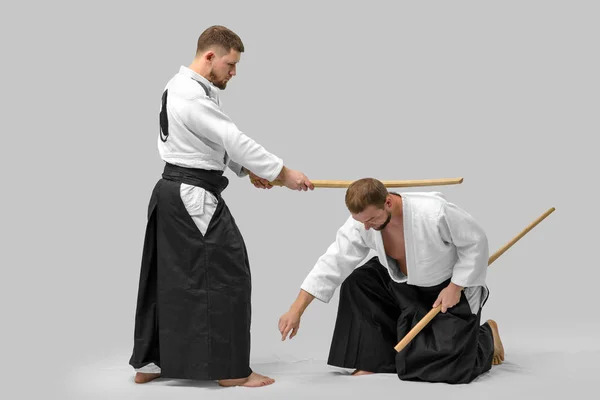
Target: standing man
(193, 308)
(429, 252)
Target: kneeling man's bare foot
(144, 377)
(498, 348)
(359, 372)
(253, 380)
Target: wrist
(455, 287)
(282, 173)
(298, 308)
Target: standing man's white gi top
(202, 136)
(442, 241)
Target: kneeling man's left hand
(448, 297)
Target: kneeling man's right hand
(290, 321)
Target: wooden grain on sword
(401, 183)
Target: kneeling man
(428, 252)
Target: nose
(367, 226)
(232, 72)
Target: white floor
(526, 374)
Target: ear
(388, 200)
(209, 55)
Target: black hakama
(375, 313)
(193, 307)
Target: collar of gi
(197, 77)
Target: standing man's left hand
(448, 297)
(259, 182)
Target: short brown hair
(221, 36)
(365, 192)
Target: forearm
(471, 267)
(254, 157)
(302, 301)
(237, 169)
(469, 238)
(209, 122)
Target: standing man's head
(218, 52)
(370, 203)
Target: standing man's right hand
(294, 180)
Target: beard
(220, 83)
(387, 221)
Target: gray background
(503, 94)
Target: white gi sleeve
(237, 169)
(205, 117)
(337, 263)
(459, 228)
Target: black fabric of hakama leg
(193, 310)
(375, 313)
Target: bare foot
(359, 372)
(143, 377)
(498, 348)
(253, 380)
